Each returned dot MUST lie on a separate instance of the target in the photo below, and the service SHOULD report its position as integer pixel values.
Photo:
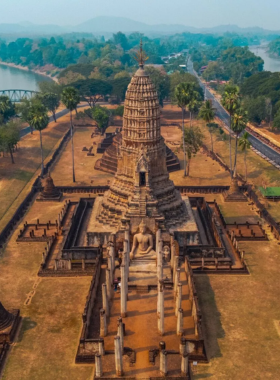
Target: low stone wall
(275, 228)
(199, 351)
(86, 344)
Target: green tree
(50, 87)
(39, 120)
(257, 109)
(119, 87)
(194, 105)
(194, 141)
(177, 78)
(7, 109)
(207, 113)
(183, 95)
(160, 81)
(120, 39)
(24, 109)
(245, 145)
(70, 98)
(92, 90)
(9, 137)
(51, 102)
(239, 123)
(119, 111)
(102, 116)
(276, 121)
(231, 102)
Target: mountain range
(108, 25)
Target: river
(12, 78)
(270, 64)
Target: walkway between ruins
(141, 332)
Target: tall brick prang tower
(141, 187)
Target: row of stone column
(163, 358)
(119, 347)
(107, 289)
(160, 300)
(125, 274)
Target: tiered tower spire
(141, 187)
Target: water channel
(270, 63)
(12, 78)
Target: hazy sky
(200, 13)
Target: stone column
(185, 364)
(159, 262)
(103, 323)
(180, 321)
(101, 347)
(173, 254)
(127, 238)
(112, 255)
(161, 310)
(182, 347)
(163, 362)
(105, 300)
(160, 279)
(120, 332)
(160, 248)
(178, 298)
(118, 357)
(108, 284)
(123, 292)
(158, 237)
(175, 266)
(177, 280)
(98, 365)
(110, 267)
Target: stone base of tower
(98, 232)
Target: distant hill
(108, 25)
(126, 25)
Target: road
(224, 116)
(59, 114)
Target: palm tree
(194, 105)
(70, 98)
(207, 113)
(194, 141)
(39, 120)
(231, 101)
(239, 123)
(183, 95)
(245, 144)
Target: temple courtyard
(207, 288)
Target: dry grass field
(52, 321)
(241, 316)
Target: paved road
(59, 114)
(223, 115)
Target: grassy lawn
(240, 314)
(15, 178)
(238, 212)
(84, 165)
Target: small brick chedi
(141, 188)
(50, 192)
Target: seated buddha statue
(142, 242)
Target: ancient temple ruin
(141, 188)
